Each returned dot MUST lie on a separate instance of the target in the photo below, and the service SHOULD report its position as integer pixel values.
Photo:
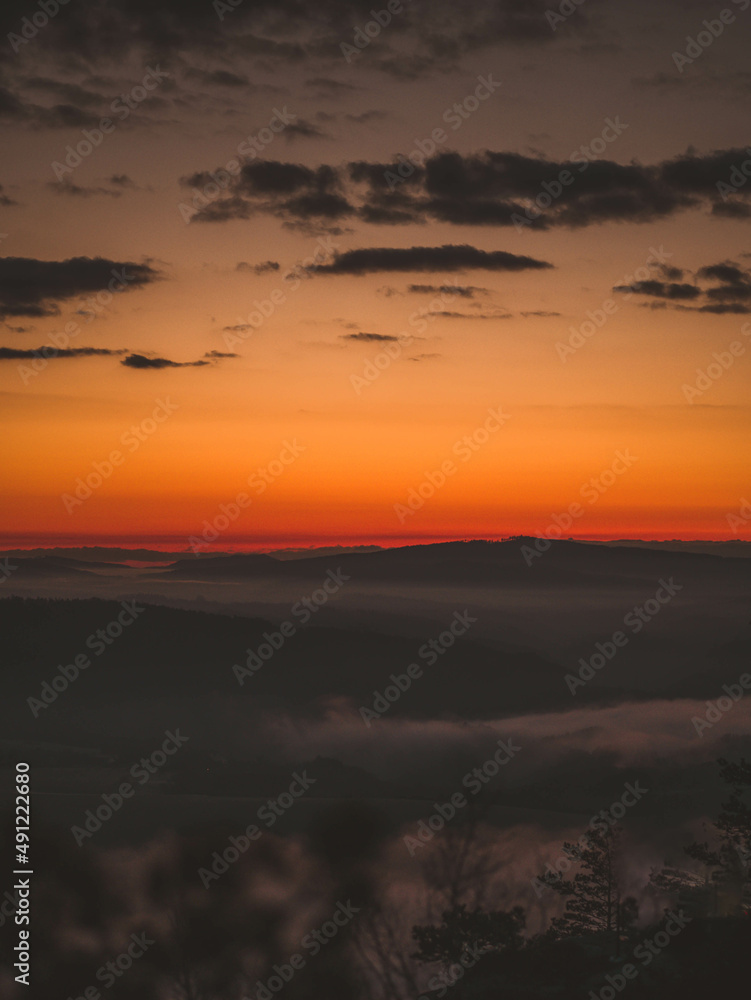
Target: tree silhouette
(595, 900)
(463, 933)
(725, 887)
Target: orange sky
(301, 378)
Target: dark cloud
(489, 189)
(720, 309)
(75, 191)
(326, 87)
(280, 33)
(729, 293)
(731, 210)
(31, 287)
(541, 313)
(727, 273)
(47, 352)
(672, 273)
(5, 200)
(122, 180)
(303, 129)
(445, 258)
(220, 354)
(265, 267)
(290, 191)
(17, 110)
(463, 291)
(368, 337)
(141, 361)
(662, 289)
(219, 77)
(447, 314)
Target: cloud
(219, 77)
(447, 314)
(15, 109)
(47, 352)
(449, 257)
(74, 190)
(542, 313)
(720, 309)
(463, 291)
(122, 180)
(662, 289)
(303, 129)
(263, 268)
(141, 361)
(130, 361)
(274, 33)
(488, 189)
(31, 287)
(368, 337)
(326, 87)
(730, 292)
(5, 200)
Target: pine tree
(729, 858)
(464, 933)
(595, 901)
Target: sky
(293, 273)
